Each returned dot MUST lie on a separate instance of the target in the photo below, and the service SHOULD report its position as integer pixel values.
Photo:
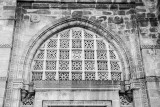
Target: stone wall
(135, 22)
(7, 20)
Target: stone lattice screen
(76, 54)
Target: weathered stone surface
(113, 6)
(141, 15)
(133, 17)
(124, 6)
(77, 14)
(152, 36)
(140, 9)
(86, 0)
(41, 6)
(118, 20)
(151, 15)
(110, 19)
(153, 29)
(121, 12)
(102, 6)
(107, 13)
(87, 13)
(153, 22)
(143, 23)
(131, 11)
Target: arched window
(76, 54)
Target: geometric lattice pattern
(102, 76)
(28, 101)
(38, 65)
(102, 65)
(50, 76)
(37, 76)
(64, 43)
(101, 45)
(64, 54)
(77, 34)
(63, 76)
(52, 43)
(63, 65)
(51, 54)
(89, 76)
(76, 54)
(114, 65)
(76, 43)
(116, 75)
(101, 54)
(76, 65)
(112, 54)
(89, 44)
(89, 54)
(89, 65)
(76, 76)
(124, 101)
(50, 65)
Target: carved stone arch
(65, 23)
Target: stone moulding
(150, 46)
(3, 78)
(48, 103)
(78, 5)
(5, 45)
(91, 85)
(66, 23)
(153, 79)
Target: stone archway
(62, 24)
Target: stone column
(16, 95)
(140, 97)
(116, 100)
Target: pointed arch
(65, 23)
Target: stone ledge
(77, 85)
(5, 45)
(48, 103)
(76, 5)
(3, 79)
(150, 46)
(153, 79)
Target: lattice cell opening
(76, 54)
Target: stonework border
(64, 23)
(47, 103)
(79, 85)
(150, 46)
(5, 45)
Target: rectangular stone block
(138, 102)
(8, 14)
(154, 93)
(86, 0)
(9, 7)
(155, 102)
(2, 91)
(1, 102)
(4, 62)
(6, 31)
(68, 0)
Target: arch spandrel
(63, 24)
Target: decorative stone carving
(150, 4)
(27, 96)
(35, 18)
(118, 20)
